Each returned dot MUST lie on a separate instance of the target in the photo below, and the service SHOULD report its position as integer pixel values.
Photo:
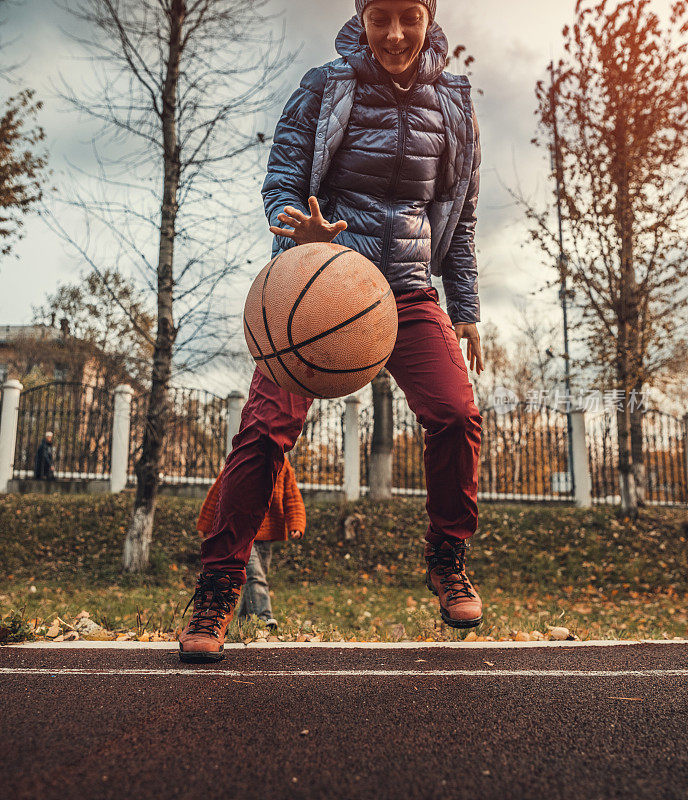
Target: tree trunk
(383, 438)
(627, 318)
(140, 533)
(637, 452)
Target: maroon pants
(428, 365)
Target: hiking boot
(446, 577)
(203, 639)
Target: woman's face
(396, 33)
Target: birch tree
(175, 85)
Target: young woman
(381, 150)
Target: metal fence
(318, 456)
(408, 469)
(80, 418)
(194, 448)
(665, 456)
(525, 453)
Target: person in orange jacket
(286, 519)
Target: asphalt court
(346, 721)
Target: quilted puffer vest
(383, 175)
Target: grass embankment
(535, 566)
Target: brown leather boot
(203, 639)
(460, 605)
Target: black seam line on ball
(351, 369)
(293, 348)
(269, 335)
(262, 357)
(255, 341)
(322, 335)
(305, 289)
(339, 371)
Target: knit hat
(361, 6)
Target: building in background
(36, 354)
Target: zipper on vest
(389, 221)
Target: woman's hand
(308, 229)
(295, 534)
(469, 331)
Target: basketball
(320, 320)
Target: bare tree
(120, 331)
(176, 85)
(617, 103)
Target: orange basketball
(320, 320)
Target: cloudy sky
(512, 42)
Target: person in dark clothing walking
(43, 465)
(387, 142)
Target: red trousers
(428, 365)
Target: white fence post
(235, 403)
(121, 424)
(352, 450)
(8, 430)
(382, 444)
(579, 457)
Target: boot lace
(214, 597)
(450, 564)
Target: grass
(536, 566)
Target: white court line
(263, 645)
(360, 673)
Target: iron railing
(318, 456)
(665, 458)
(408, 469)
(194, 449)
(524, 454)
(80, 418)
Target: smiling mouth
(396, 52)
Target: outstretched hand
(469, 331)
(307, 230)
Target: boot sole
(191, 657)
(453, 623)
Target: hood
(352, 44)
